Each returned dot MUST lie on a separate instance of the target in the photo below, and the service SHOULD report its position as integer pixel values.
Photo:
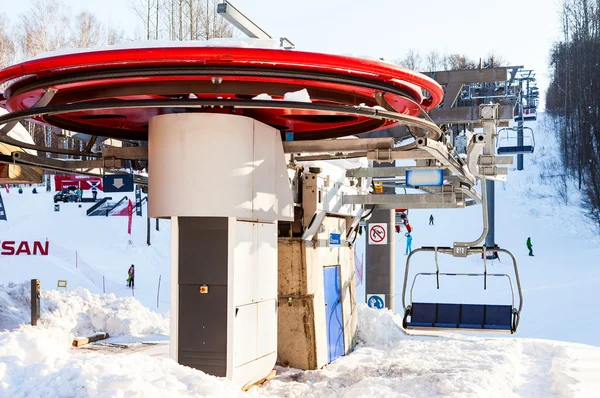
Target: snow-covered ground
(548, 357)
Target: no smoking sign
(378, 233)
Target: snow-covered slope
(559, 289)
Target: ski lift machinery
(502, 318)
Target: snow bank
(37, 362)
(14, 306)
(216, 42)
(389, 363)
(80, 312)
(378, 327)
(87, 313)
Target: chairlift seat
(515, 150)
(460, 316)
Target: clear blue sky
(521, 31)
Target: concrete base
(302, 327)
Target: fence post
(35, 301)
(76, 260)
(158, 290)
(103, 285)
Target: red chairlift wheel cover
(132, 123)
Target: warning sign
(378, 234)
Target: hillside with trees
(573, 98)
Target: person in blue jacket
(408, 243)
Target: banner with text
(129, 216)
(138, 201)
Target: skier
(79, 194)
(94, 192)
(529, 246)
(131, 279)
(431, 219)
(408, 243)
(20, 190)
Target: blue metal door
(333, 312)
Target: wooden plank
(81, 341)
(131, 153)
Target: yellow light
(203, 289)
(378, 187)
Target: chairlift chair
(529, 113)
(467, 317)
(507, 143)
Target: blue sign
(138, 201)
(335, 239)
(376, 301)
(2, 210)
(424, 178)
(118, 183)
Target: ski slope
(555, 353)
(83, 250)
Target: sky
(520, 31)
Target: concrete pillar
(222, 179)
(380, 259)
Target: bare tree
(433, 61)
(412, 60)
(494, 60)
(459, 62)
(7, 46)
(45, 27)
(87, 31)
(211, 24)
(149, 13)
(178, 20)
(114, 35)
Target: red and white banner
(83, 182)
(129, 216)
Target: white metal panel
(267, 262)
(253, 371)
(218, 165)
(206, 159)
(264, 199)
(267, 327)
(245, 272)
(245, 334)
